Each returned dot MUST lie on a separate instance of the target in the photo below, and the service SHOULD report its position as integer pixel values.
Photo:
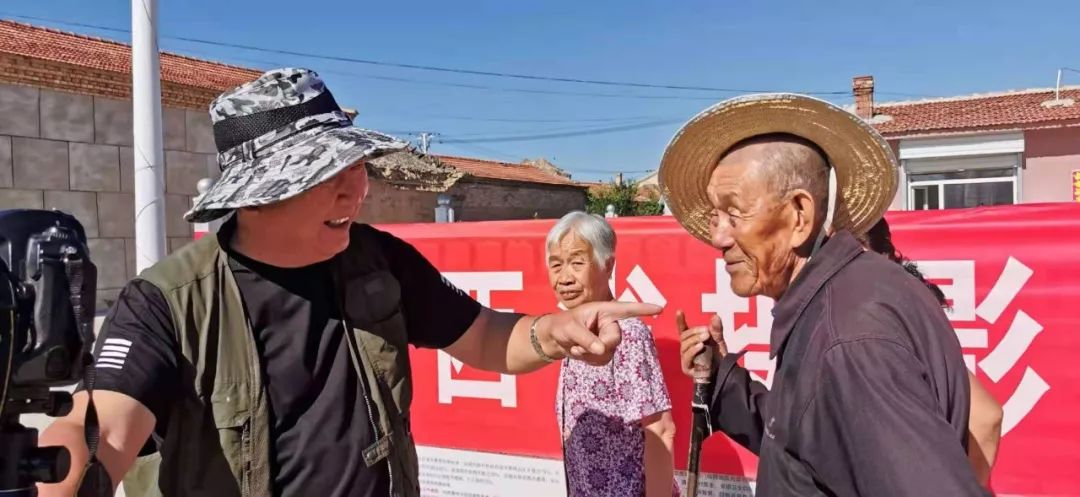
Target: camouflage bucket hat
(279, 136)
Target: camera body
(47, 295)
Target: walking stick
(701, 428)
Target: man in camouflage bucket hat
(272, 358)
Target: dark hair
(879, 239)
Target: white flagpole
(150, 242)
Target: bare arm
(659, 444)
(984, 430)
(124, 424)
(499, 341)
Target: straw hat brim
(866, 168)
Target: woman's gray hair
(594, 229)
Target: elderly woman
(615, 420)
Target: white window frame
(956, 153)
(941, 187)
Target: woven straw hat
(865, 167)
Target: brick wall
(490, 201)
(39, 73)
(472, 201)
(387, 204)
(73, 152)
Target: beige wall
(1050, 157)
(74, 153)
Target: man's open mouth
(337, 223)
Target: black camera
(47, 293)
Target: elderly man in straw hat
(871, 394)
(272, 359)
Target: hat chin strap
(826, 228)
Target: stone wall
(74, 152)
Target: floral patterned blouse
(603, 440)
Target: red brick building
(491, 190)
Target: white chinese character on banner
(957, 281)
(1018, 338)
(640, 288)
(725, 303)
(505, 389)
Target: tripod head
(47, 292)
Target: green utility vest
(218, 436)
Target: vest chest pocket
(230, 404)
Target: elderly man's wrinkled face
(753, 226)
(574, 273)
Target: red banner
(1012, 275)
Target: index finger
(623, 310)
(580, 336)
(680, 321)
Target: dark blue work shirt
(871, 393)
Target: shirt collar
(840, 249)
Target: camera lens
(60, 404)
(47, 464)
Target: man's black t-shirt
(320, 421)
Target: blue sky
(914, 49)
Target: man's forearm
(520, 355)
(65, 433)
(499, 341)
(124, 426)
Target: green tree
(651, 207)
(623, 198)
